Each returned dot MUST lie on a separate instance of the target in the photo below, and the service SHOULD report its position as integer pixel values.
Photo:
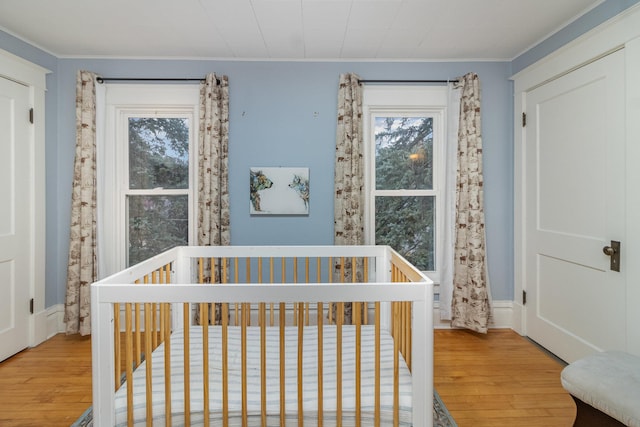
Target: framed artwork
(278, 191)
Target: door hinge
(31, 115)
(524, 297)
(524, 119)
(31, 306)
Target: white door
(16, 270)
(575, 204)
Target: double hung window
(404, 142)
(149, 171)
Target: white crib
(283, 351)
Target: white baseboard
(502, 316)
(54, 320)
(518, 318)
(39, 332)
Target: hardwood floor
(48, 385)
(498, 379)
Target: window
(156, 198)
(404, 141)
(149, 185)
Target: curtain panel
(349, 175)
(471, 295)
(213, 175)
(82, 267)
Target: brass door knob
(608, 250)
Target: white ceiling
(289, 29)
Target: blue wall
(273, 123)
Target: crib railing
(267, 287)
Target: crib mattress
(310, 381)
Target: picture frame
(279, 191)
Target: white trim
(22, 71)
(33, 76)
(607, 36)
(54, 318)
(502, 316)
(632, 246)
(398, 100)
(122, 101)
(619, 32)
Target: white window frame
(121, 102)
(408, 101)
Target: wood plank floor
(48, 385)
(498, 379)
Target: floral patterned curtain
(82, 267)
(213, 172)
(349, 173)
(471, 297)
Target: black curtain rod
(148, 79)
(409, 81)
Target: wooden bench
(606, 389)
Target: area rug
(441, 416)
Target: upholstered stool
(606, 389)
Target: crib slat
(339, 319)
(306, 280)
(154, 313)
(161, 324)
(282, 315)
(366, 279)
(332, 306)
(358, 363)
(407, 333)
(320, 360)
(186, 322)
(245, 312)
(295, 280)
(396, 370)
(204, 311)
(236, 279)
(138, 334)
(377, 365)
(117, 344)
(300, 364)
(225, 364)
(271, 272)
(263, 363)
(128, 362)
(148, 332)
(167, 365)
(224, 263)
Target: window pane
(404, 153)
(156, 224)
(158, 153)
(407, 224)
